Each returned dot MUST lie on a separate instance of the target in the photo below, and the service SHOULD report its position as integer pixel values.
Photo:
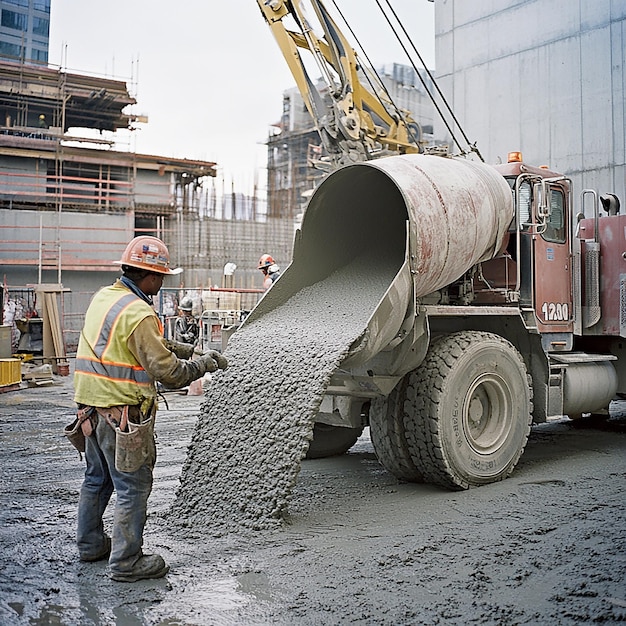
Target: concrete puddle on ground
(218, 601)
(255, 584)
(189, 601)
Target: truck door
(552, 262)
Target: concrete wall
(22, 180)
(542, 76)
(152, 187)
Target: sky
(208, 73)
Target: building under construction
(70, 201)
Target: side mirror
(610, 203)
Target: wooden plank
(53, 344)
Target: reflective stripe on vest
(112, 371)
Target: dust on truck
(505, 308)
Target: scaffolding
(69, 204)
(291, 171)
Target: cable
(399, 113)
(472, 147)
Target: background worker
(121, 353)
(186, 329)
(271, 271)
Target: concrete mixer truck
(502, 306)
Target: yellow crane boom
(356, 122)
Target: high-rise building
(24, 30)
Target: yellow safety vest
(107, 373)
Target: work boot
(148, 566)
(101, 554)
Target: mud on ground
(546, 546)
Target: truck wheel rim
(486, 413)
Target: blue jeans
(132, 489)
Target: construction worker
(121, 353)
(186, 329)
(271, 271)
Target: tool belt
(134, 433)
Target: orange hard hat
(265, 261)
(148, 253)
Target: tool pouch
(75, 434)
(134, 442)
(80, 428)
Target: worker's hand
(212, 361)
(207, 364)
(219, 358)
(221, 361)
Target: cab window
(524, 205)
(555, 225)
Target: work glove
(211, 361)
(181, 350)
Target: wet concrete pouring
(259, 415)
(546, 546)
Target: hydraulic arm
(352, 111)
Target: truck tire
(331, 440)
(467, 410)
(388, 437)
